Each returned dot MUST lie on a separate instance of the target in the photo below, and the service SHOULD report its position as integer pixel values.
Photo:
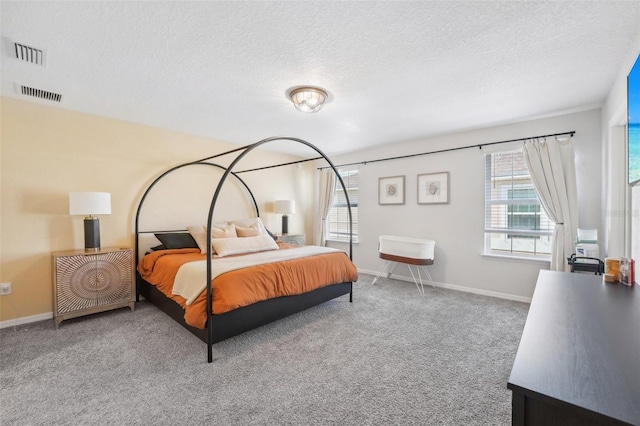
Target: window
(339, 215)
(515, 222)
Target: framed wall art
(391, 190)
(433, 188)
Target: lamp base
(285, 224)
(91, 234)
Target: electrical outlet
(5, 289)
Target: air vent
(29, 54)
(39, 93)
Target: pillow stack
(234, 237)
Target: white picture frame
(433, 188)
(391, 190)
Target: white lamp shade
(89, 203)
(285, 206)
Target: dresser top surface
(83, 252)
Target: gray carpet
(391, 357)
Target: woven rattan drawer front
(114, 276)
(76, 278)
(87, 283)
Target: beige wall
(47, 152)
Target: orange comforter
(243, 287)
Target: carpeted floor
(390, 357)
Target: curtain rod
(280, 165)
(479, 146)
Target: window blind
(339, 214)
(515, 222)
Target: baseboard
(49, 315)
(459, 288)
(26, 320)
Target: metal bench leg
(384, 267)
(420, 277)
(426, 271)
(418, 281)
(395, 265)
(415, 280)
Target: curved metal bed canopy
(242, 152)
(156, 180)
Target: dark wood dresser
(578, 362)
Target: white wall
(621, 219)
(457, 227)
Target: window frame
(518, 181)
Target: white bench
(410, 251)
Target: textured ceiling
(395, 71)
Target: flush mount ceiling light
(308, 99)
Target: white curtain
(326, 191)
(553, 171)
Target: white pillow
(220, 230)
(198, 234)
(249, 231)
(229, 246)
(228, 231)
(247, 223)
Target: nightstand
(292, 238)
(90, 282)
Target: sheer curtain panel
(326, 191)
(553, 172)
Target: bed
(225, 285)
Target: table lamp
(88, 204)
(285, 207)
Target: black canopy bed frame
(222, 326)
